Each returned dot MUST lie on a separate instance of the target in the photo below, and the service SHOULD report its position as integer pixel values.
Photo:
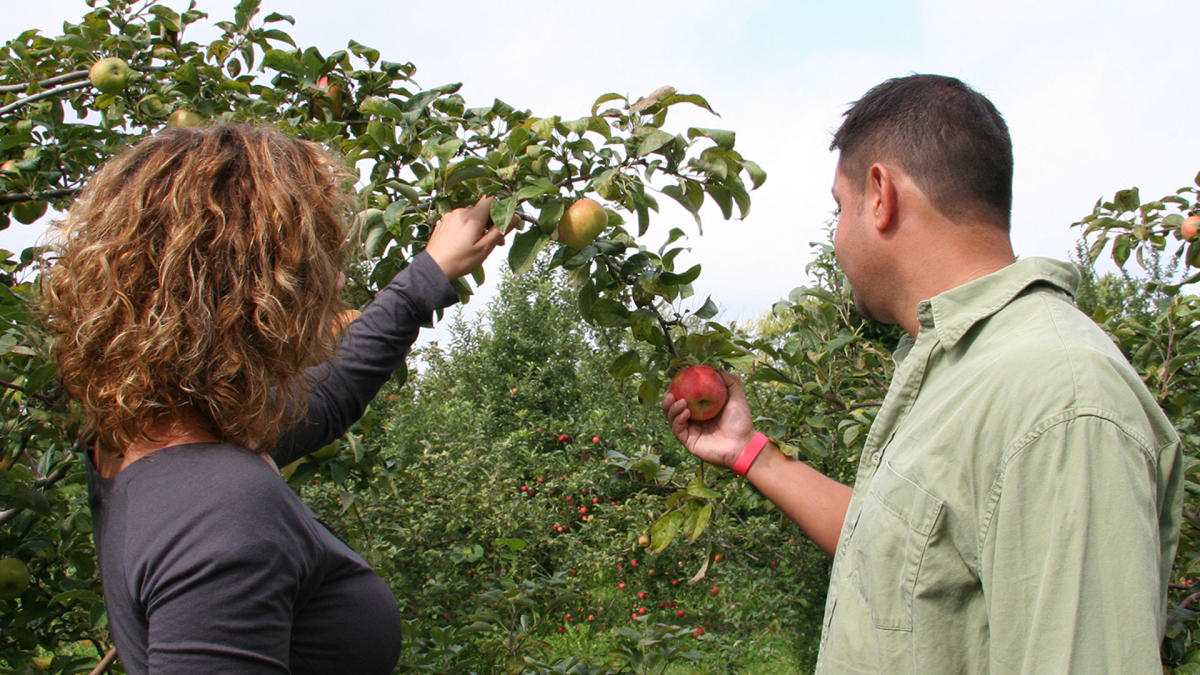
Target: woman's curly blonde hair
(195, 278)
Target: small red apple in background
(595, 439)
(643, 540)
(1190, 226)
(563, 438)
(582, 223)
(703, 389)
(9, 166)
(335, 95)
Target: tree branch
(44, 94)
(14, 197)
(72, 76)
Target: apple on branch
(184, 118)
(582, 223)
(703, 389)
(110, 75)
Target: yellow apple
(582, 223)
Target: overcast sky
(1099, 95)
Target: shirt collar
(954, 312)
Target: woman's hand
(464, 238)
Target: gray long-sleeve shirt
(211, 564)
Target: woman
(191, 304)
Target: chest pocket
(890, 540)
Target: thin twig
(106, 662)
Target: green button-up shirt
(1018, 499)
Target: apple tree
(127, 69)
(1152, 312)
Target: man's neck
(950, 263)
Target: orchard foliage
(418, 152)
(1153, 314)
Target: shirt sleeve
(219, 593)
(1070, 560)
(372, 348)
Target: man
(1017, 502)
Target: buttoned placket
(906, 384)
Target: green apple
(14, 578)
(110, 75)
(582, 223)
(184, 118)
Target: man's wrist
(745, 459)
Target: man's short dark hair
(948, 137)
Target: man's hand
(719, 440)
(463, 239)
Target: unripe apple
(582, 223)
(1190, 226)
(703, 389)
(184, 119)
(110, 75)
(14, 578)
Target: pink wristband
(749, 453)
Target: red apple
(1190, 226)
(703, 389)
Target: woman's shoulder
(217, 483)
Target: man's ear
(881, 196)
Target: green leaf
(377, 240)
(503, 211)
(757, 175)
(511, 544)
(708, 310)
(653, 140)
(701, 491)
(465, 170)
(605, 98)
(663, 531)
(699, 522)
(607, 312)
(722, 137)
(625, 365)
(1127, 200)
(525, 247)
(694, 99)
(381, 107)
(542, 186)
(287, 62)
